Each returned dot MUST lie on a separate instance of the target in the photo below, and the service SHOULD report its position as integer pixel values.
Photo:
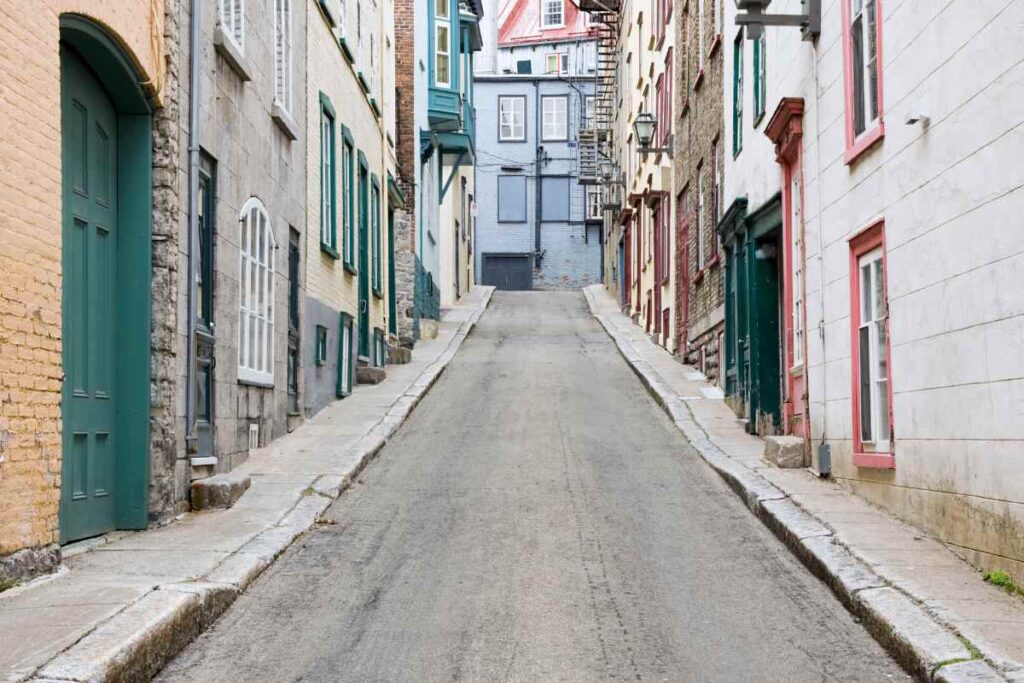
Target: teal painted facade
(753, 296)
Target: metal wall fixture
(644, 127)
(752, 16)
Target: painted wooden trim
(868, 239)
(857, 145)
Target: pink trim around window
(855, 146)
(866, 240)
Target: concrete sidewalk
(121, 608)
(928, 607)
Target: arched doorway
(106, 152)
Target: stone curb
(137, 642)
(922, 644)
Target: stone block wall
(699, 137)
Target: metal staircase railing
(596, 144)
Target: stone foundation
(28, 563)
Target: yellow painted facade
(30, 244)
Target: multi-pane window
(589, 111)
(863, 40)
(442, 44)
(344, 384)
(328, 184)
(256, 295)
(716, 192)
(796, 269)
(512, 118)
(872, 353)
(283, 54)
(665, 124)
(737, 95)
(293, 280)
(701, 30)
(321, 345)
(375, 241)
(232, 20)
(699, 220)
(557, 63)
(348, 204)
(716, 17)
(666, 239)
(760, 78)
(204, 282)
(593, 203)
(554, 110)
(552, 13)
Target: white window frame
(699, 220)
(257, 253)
(869, 88)
(232, 21)
(594, 211)
(328, 181)
(561, 63)
(873, 324)
(701, 31)
(547, 11)
(716, 17)
(555, 120)
(442, 22)
(283, 54)
(512, 126)
(589, 112)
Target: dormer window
(552, 13)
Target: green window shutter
(737, 95)
(328, 179)
(343, 385)
(348, 198)
(376, 259)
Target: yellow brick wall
(30, 245)
(326, 278)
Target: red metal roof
(520, 24)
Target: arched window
(256, 295)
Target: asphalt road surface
(538, 518)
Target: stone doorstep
(785, 452)
(137, 642)
(913, 636)
(220, 491)
(368, 374)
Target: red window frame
(867, 240)
(857, 145)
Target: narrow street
(538, 518)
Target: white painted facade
(951, 195)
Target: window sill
(685, 109)
(504, 140)
(880, 461)
(284, 121)
(350, 268)
(715, 44)
(328, 15)
(363, 82)
(377, 293)
(698, 81)
(758, 119)
(865, 142)
(700, 275)
(330, 251)
(255, 379)
(375, 107)
(346, 50)
(228, 49)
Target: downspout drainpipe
(193, 226)
(537, 173)
(821, 260)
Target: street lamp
(644, 128)
(755, 19)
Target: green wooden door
(89, 262)
(364, 262)
(766, 339)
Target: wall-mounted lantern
(644, 127)
(752, 16)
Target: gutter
(193, 226)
